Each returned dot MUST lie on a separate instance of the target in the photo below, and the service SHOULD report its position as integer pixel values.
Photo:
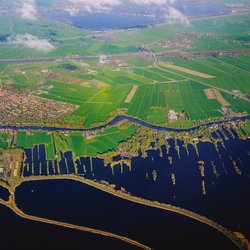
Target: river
(120, 118)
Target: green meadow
(26, 140)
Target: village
(22, 108)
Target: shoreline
(154, 204)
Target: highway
(176, 53)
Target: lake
(151, 178)
(18, 233)
(4, 193)
(74, 202)
(131, 16)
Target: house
(1, 171)
(103, 59)
(225, 110)
(172, 115)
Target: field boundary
(215, 94)
(185, 70)
(131, 94)
(220, 98)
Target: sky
(28, 9)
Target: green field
(229, 28)
(4, 138)
(99, 91)
(229, 72)
(186, 97)
(25, 140)
(103, 141)
(67, 40)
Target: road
(130, 56)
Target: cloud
(28, 9)
(75, 6)
(152, 2)
(32, 42)
(174, 15)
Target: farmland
(138, 87)
(81, 144)
(230, 72)
(4, 137)
(25, 140)
(103, 141)
(215, 36)
(81, 42)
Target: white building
(172, 115)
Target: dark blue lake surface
(20, 234)
(78, 203)
(4, 193)
(130, 16)
(226, 200)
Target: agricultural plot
(25, 140)
(20, 76)
(103, 141)
(190, 98)
(118, 77)
(99, 107)
(157, 115)
(152, 101)
(4, 138)
(237, 104)
(76, 142)
(216, 94)
(232, 27)
(227, 75)
(69, 93)
(131, 94)
(185, 70)
(56, 32)
(108, 140)
(241, 62)
(146, 97)
(150, 75)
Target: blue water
(78, 203)
(17, 233)
(226, 199)
(4, 194)
(119, 18)
(120, 118)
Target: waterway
(73, 202)
(120, 118)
